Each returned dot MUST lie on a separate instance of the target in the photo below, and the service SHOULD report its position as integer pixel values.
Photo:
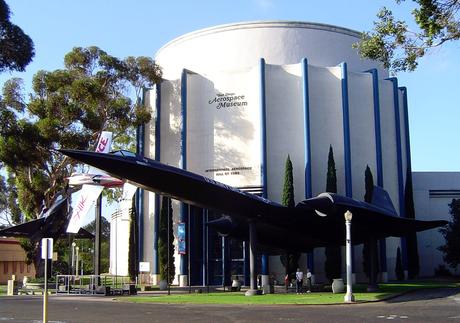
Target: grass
(3, 289)
(359, 291)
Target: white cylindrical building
(237, 99)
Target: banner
(86, 199)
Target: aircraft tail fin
(103, 146)
(382, 199)
(86, 199)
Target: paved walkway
(439, 305)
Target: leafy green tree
(86, 252)
(16, 48)
(451, 233)
(290, 260)
(398, 47)
(333, 264)
(68, 108)
(369, 186)
(9, 210)
(413, 265)
(166, 216)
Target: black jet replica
(51, 223)
(315, 222)
(268, 226)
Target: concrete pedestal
(384, 277)
(349, 298)
(253, 292)
(12, 288)
(155, 279)
(183, 280)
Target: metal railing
(91, 284)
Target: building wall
(229, 47)
(433, 192)
(270, 76)
(13, 261)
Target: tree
(413, 266)
(290, 260)
(166, 223)
(399, 48)
(369, 186)
(16, 48)
(9, 211)
(87, 248)
(133, 257)
(333, 264)
(451, 233)
(68, 108)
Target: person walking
(308, 275)
(286, 282)
(299, 281)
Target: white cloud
(265, 4)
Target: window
(5, 267)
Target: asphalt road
(441, 305)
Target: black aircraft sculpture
(269, 226)
(51, 223)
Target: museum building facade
(236, 100)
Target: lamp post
(76, 262)
(73, 258)
(348, 298)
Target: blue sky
(141, 27)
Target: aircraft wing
(182, 185)
(368, 220)
(23, 230)
(82, 234)
(86, 199)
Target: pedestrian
(286, 282)
(308, 275)
(299, 281)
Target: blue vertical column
(263, 140)
(402, 209)
(183, 163)
(156, 219)
(346, 142)
(408, 161)
(346, 130)
(378, 157)
(307, 147)
(406, 128)
(140, 150)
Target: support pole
(348, 298)
(372, 287)
(252, 260)
(97, 240)
(167, 266)
(45, 293)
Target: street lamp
(73, 258)
(76, 262)
(348, 298)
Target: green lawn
(386, 290)
(3, 289)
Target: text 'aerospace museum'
(236, 100)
